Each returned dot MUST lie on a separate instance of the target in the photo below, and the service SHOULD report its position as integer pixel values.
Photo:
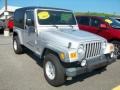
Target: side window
(95, 22)
(19, 19)
(83, 20)
(29, 18)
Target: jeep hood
(65, 36)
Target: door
(29, 33)
(95, 25)
(83, 23)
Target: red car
(106, 27)
(10, 25)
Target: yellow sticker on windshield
(108, 21)
(43, 15)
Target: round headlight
(104, 45)
(81, 49)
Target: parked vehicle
(106, 27)
(118, 19)
(2, 26)
(53, 35)
(10, 25)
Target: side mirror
(103, 26)
(29, 22)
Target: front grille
(92, 49)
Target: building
(10, 9)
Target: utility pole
(6, 30)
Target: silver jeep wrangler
(53, 35)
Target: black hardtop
(19, 14)
(36, 7)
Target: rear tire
(117, 48)
(18, 48)
(53, 70)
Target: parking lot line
(116, 88)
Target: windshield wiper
(55, 26)
(58, 26)
(71, 26)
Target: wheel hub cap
(15, 45)
(50, 70)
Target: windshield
(113, 22)
(118, 20)
(46, 17)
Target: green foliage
(95, 14)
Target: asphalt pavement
(24, 72)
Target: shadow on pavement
(80, 78)
(34, 57)
(1, 33)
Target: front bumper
(92, 64)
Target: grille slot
(92, 49)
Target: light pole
(6, 30)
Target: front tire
(53, 70)
(117, 48)
(18, 48)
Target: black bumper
(92, 64)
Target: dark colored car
(2, 26)
(118, 19)
(106, 27)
